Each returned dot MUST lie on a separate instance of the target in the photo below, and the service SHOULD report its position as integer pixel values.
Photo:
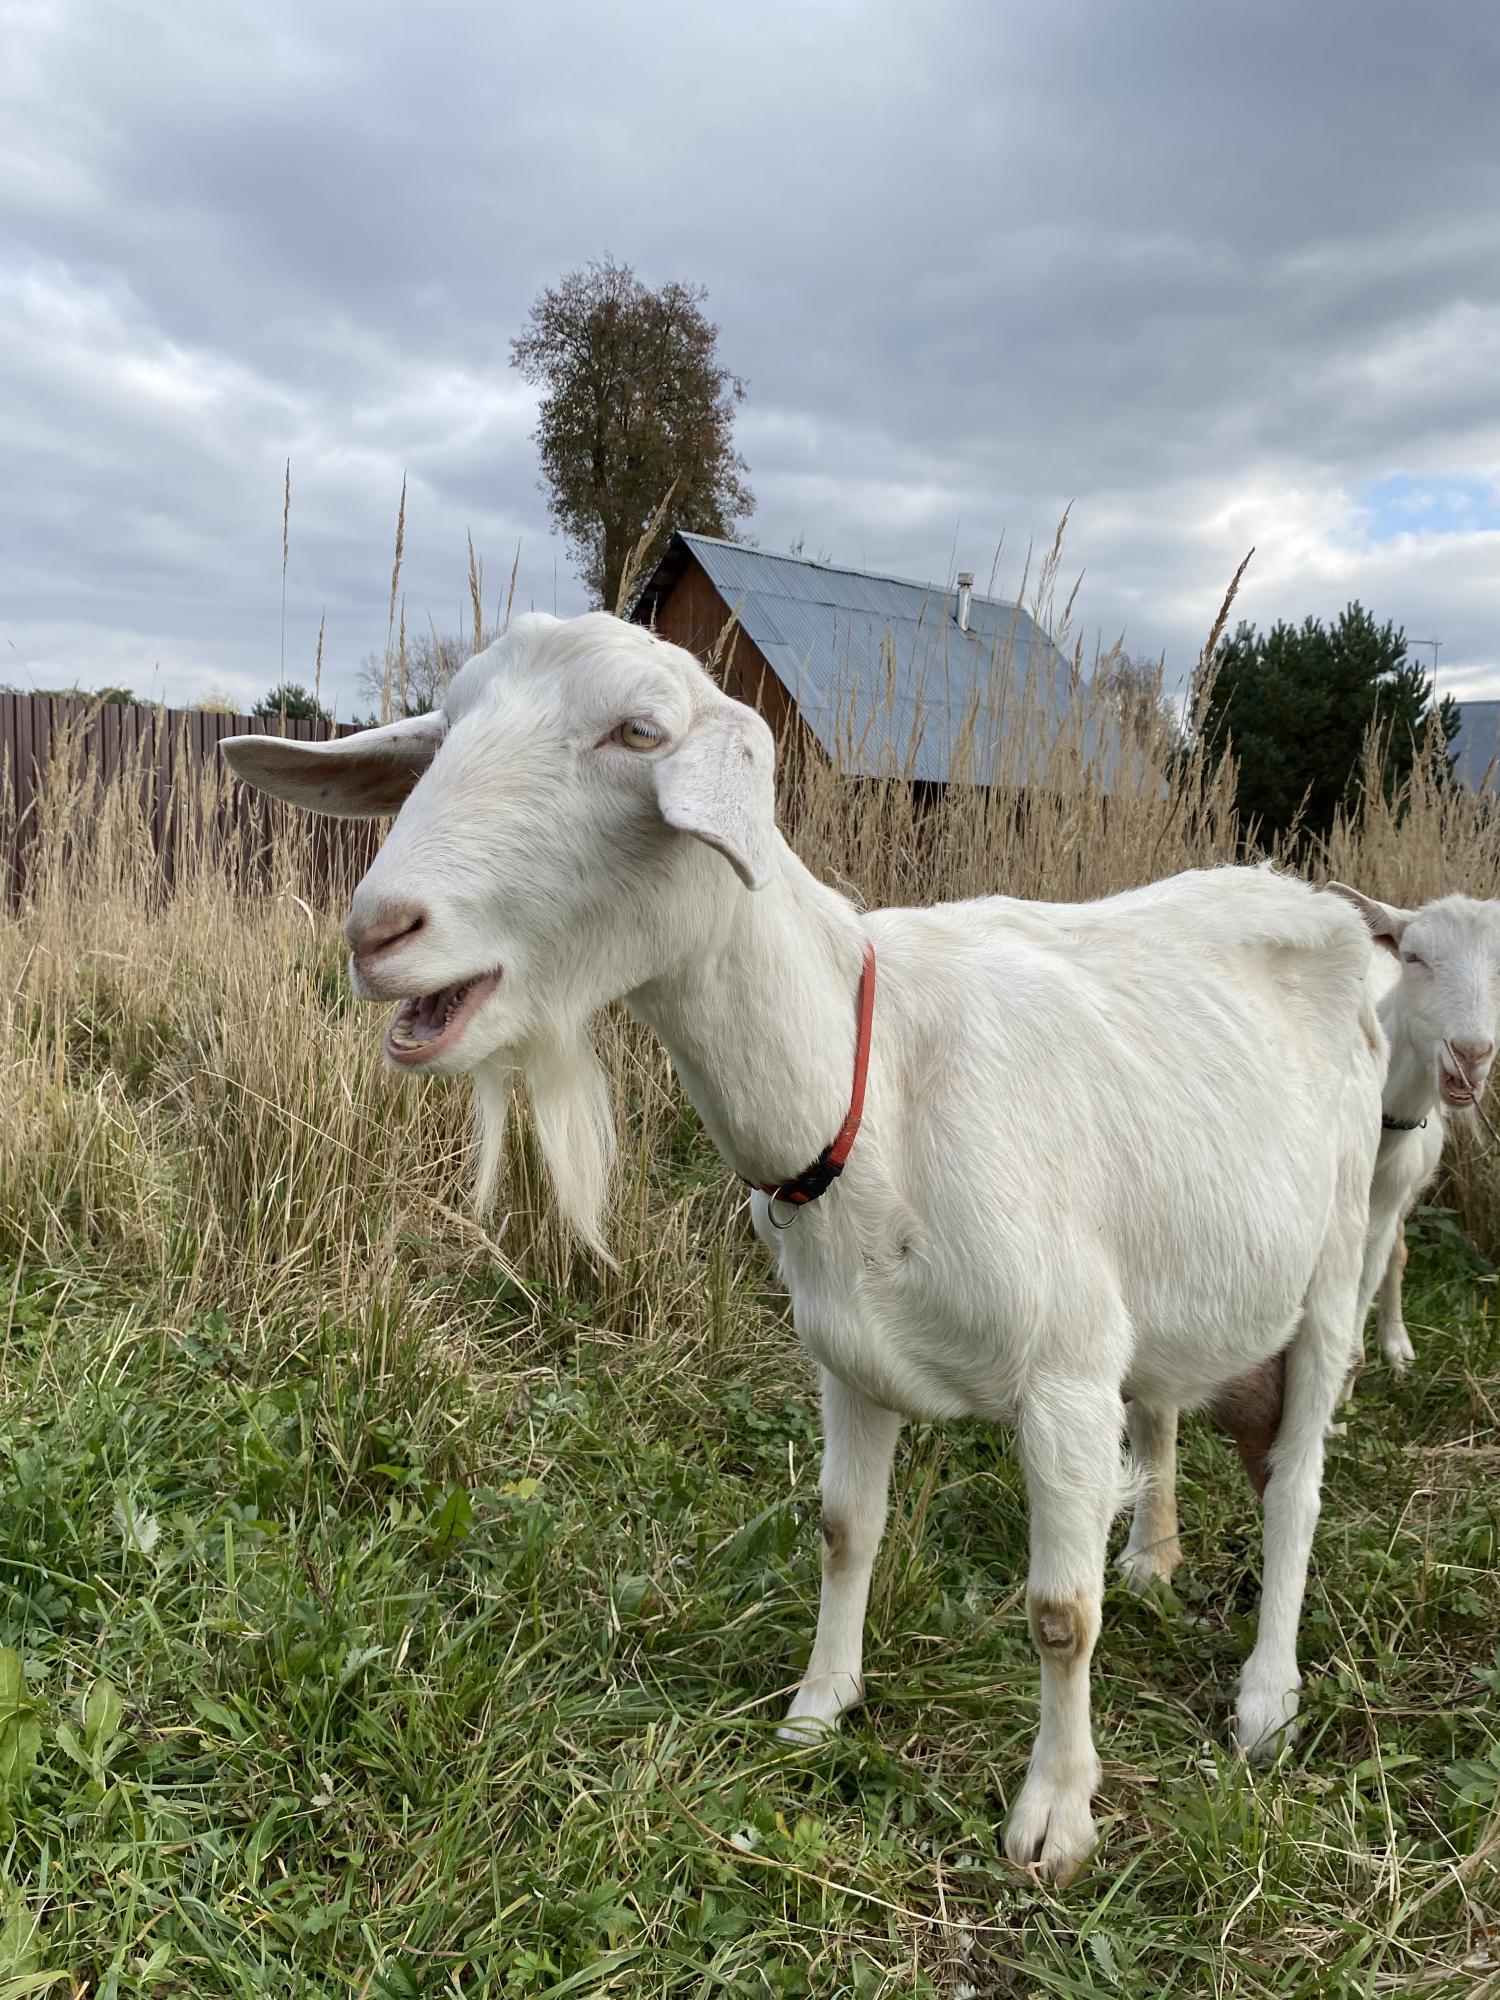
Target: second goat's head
(1449, 953)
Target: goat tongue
(424, 1025)
(426, 1019)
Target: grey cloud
(1182, 267)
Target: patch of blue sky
(1417, 504)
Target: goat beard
(572, 1115)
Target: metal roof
(1476, 746)
(878, 666)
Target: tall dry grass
(189, 1094)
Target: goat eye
(1410, 958)
(638, 735)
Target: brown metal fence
(163, 766)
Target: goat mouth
(429, 1024)
(1455, 1092)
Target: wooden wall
(694, 615)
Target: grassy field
(354, 1664)
(394, 1604)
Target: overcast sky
(1217, 276)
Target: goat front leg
(859, 1442)
(1315, 1365)
(1153, 1549)
(1395, 1341)
(1070, 1446)
(1384, 1230)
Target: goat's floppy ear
(1386, 922)
(364, 776)
(719, 785)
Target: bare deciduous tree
(1147, 714)
(637, 405)
(416, 677)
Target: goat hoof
(1396, 1346)
(1265, 1722)
(817, 1706)
(1051, 1830)
(1141, 1569)
(801, 1730)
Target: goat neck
(757, 1011)
(1410, 1091)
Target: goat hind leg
(1153, 1549)
(1070, 1445)
(859, 1442)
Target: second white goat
(1438, 978)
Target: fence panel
(174, 752)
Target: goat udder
(1248, 1410)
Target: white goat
(1438, 981)
(1107, 1149)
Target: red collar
(826, 1168)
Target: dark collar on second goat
(820, 1176)
(1402, 1124)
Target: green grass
(387, 1611)
(350, 1667)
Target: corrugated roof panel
(879, 668)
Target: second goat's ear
(1387, 923)
(719, 785)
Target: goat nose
(1474, 1052)
(386, 927)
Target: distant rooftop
(879, 666)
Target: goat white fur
(1109, 1149)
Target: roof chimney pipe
(965, 592)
